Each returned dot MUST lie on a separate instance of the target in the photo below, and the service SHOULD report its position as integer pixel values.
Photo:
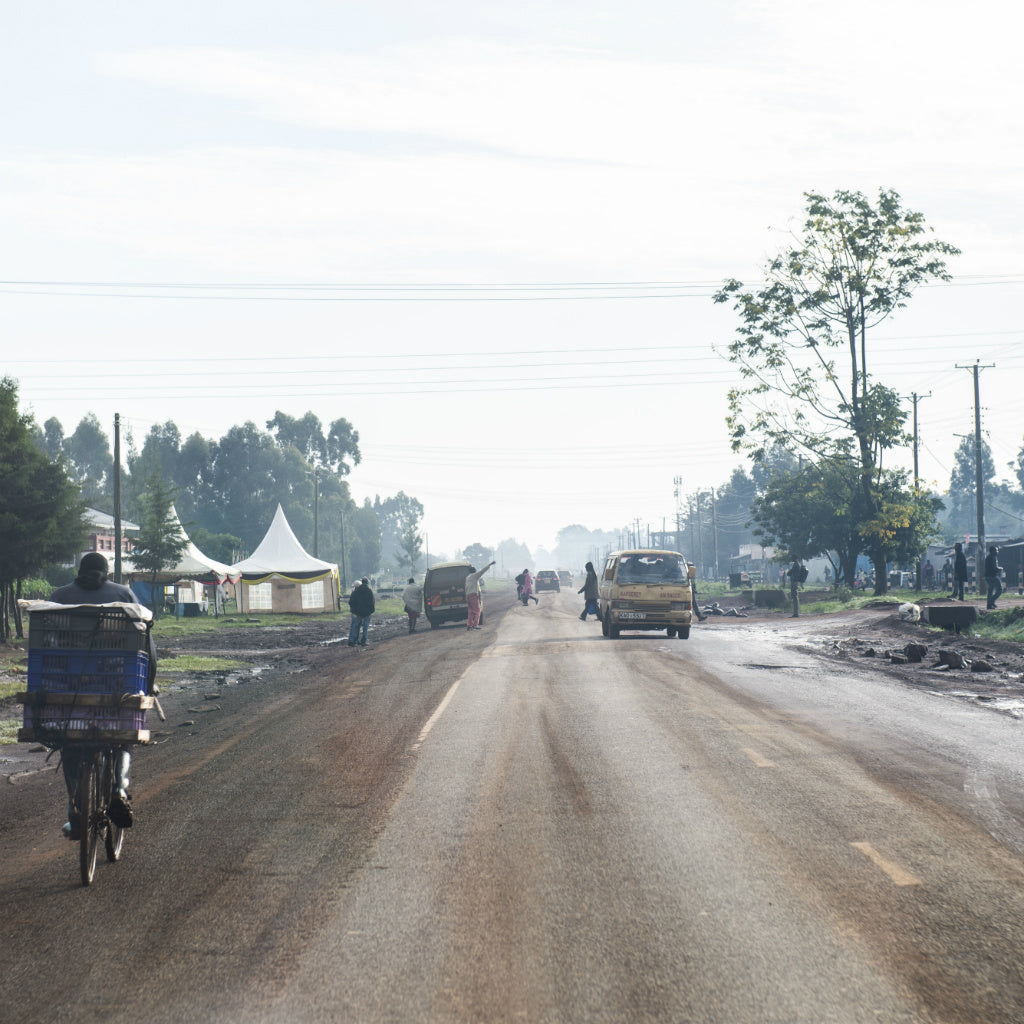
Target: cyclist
(91, 586)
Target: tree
(90, 462)
(160, 542)
(962, 504)
(411, 549)
(855, 264)
(396, 517)
(478, 554)
(40, 507)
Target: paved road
(532, 823)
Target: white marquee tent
(281, 576)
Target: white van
(646, 589)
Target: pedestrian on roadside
(527, 592)
(474, 598)
(795, 574)
(993, 573)
(412, 598)
(589, 590)
(362, 605)
(959, 571)
(519, 587)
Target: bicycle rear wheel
(91, 814)
(113, 835)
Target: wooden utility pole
(979, 476)
(915, 397)
(117, 497)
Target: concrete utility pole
(915, 397)
(979, 478)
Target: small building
(280, 576)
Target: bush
(36, 590)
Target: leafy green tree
(40, 507)
(961, 498)
(332, 451)
(222, 547)
(89, 460)
(396, 517)
(514, 556)
(411, 549)
(363, 536)
(855, 264)
(160, 544)
(478, 554)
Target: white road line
(894, 871)
(432, 721)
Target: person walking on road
(412, 598)
(362, 605)
(474, 597)
(527, 591)
(993, 574)
(959, 571)
(589, 590)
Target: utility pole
(915, 398)
(316, 512)
(117, 497)
(979, 477)
(714, 534)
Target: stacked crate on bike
(87, 676)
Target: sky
(487, 234)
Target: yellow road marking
(894, 871)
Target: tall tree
(962, 504)
(411, 550)
(478, 554)
(397, 515)
(40, 507)
(160, 543)
(90, 461)
(855, 264)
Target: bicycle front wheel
(91, 814)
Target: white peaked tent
(280, 576)
(194, 565)
(189, 575)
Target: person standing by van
(474, 597)
(412, 598)
(362, 605)
(589, 590)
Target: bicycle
(95, 793)
(88, 676)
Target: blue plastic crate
(87, 672)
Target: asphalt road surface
(530, 822)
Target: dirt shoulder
(877, 639)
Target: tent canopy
(281, 554)
(194, 565)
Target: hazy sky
(487, 233)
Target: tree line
(225, 493)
